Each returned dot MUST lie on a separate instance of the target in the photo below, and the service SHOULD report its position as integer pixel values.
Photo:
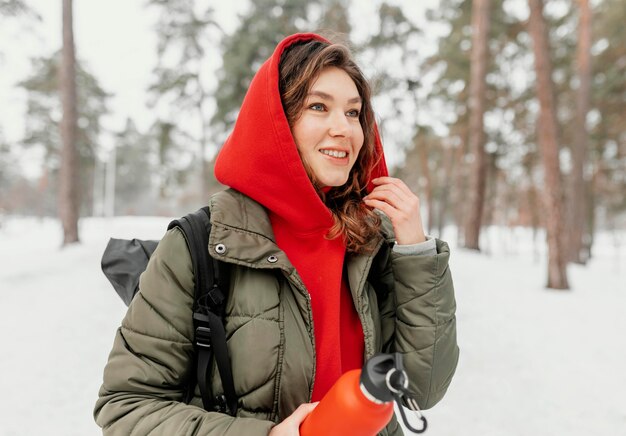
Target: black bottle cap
(379, 372)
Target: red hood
(260, 158)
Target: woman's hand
(291, 425)
(396, 200)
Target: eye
(317, 107)
(354, 113)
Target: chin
(335, 184)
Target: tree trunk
(492, 202)
(591, 213)
(68, 175)
(444, 182)
(548, 138)
(428, 189)
(459, 186)
(110, 183)
(578, 188)
(478, 86)
(204, 173)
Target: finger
(393, 181)
(392, 187)
(389, 210)
(388, 196)
(302, 412)
(408, 202)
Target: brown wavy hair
(300, 64)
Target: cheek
(296, 132)
(358, 139)
(303, 133)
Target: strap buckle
(203, 337)
(211, 301)
(216, 296)
(221, 404)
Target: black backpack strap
(210, 289)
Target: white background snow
(533, 361)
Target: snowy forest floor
(533, 361)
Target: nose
(339, 125)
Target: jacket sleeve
(148, 368)
(418, 320)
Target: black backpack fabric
(123, 261)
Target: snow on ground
(533, 361)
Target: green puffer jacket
(406, 305)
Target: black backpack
(123, 261)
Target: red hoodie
(260, 159)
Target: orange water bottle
(360, 403)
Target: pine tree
(173, 160)
(187, 37)
(42, 124)
(548, 138)
(481, 18)
(16, 8)
(135, 167)
(335, 17)
(451, 66)
(263, 26)
(7, 166)
(607, 134)
(510, 141)
(578, 186)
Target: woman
(319, 282)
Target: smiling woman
(320, 281)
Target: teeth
(334, 153)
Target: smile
(334, 153)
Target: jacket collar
(243, 227)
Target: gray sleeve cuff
(426, 248)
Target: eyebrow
(330, 97)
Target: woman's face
(328, 133)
